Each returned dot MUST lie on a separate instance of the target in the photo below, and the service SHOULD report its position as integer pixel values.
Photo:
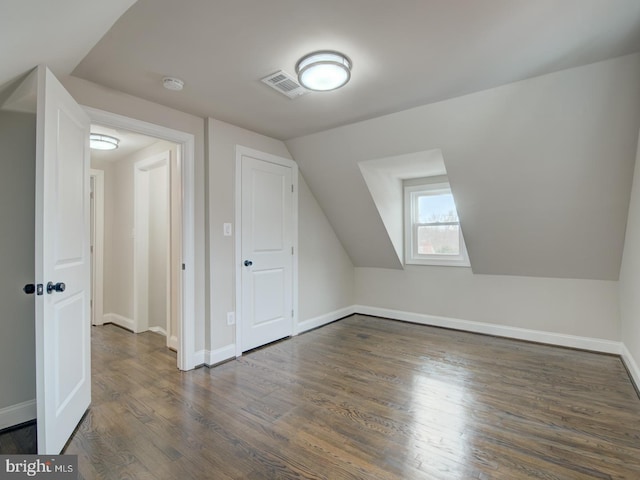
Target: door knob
(55, 287)
(248, 263)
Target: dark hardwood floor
(360, 398)
(20, 439)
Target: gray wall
(17, 211)
(630, 281)
(326, 274)
(325, 270)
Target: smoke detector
(284, 83)
(173, 83)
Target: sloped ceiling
(57, 33)
(405, 52)
(541, 171)
(540, 168)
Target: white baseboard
(119, 320)
(159, 330)
(213, 357)
(173, 342)
(631, 364)
(199, 356)
(17, 414)
(220, 355)
(560, 339)
(324, 319)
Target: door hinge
(184, 267)
(291, 250)
(291, 313)
(292, 188)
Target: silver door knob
(55, 287)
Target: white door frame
(141, 212)
(97, 272)
(285, 162)
(186, 144)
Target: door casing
(97, 256)
(186, 145)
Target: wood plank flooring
(361, 398)
(20, 439)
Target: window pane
(436, 208)
(439, 240)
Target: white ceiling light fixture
(97, 141)
(324, 70)
(173, 83)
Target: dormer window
(432, 229)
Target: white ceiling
(405, 52)
(57, 33)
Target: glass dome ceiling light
(324, 70)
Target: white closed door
(267, 252)
(63, 355)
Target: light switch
(227, 229)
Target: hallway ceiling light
(98, 141)
(323, 71)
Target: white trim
(159, 330)
(186, 142)
(199, 357)
(321, 320)
(119, 320)
(220, 355)
(17, 414)
(211, 358)
(631, 365)
(98, 247)
(551, 338)
(285, 162)
(412, 257)
(238, 252)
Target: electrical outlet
(231, 318)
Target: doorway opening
(136, 235)
(185, 142)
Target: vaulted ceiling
(58, 34)
(538, 140)
(540, 169)
(405, 52)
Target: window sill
(438, 262)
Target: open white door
(63, 357)
(267, 246)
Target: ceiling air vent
(285, 84)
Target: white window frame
(412, 257)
